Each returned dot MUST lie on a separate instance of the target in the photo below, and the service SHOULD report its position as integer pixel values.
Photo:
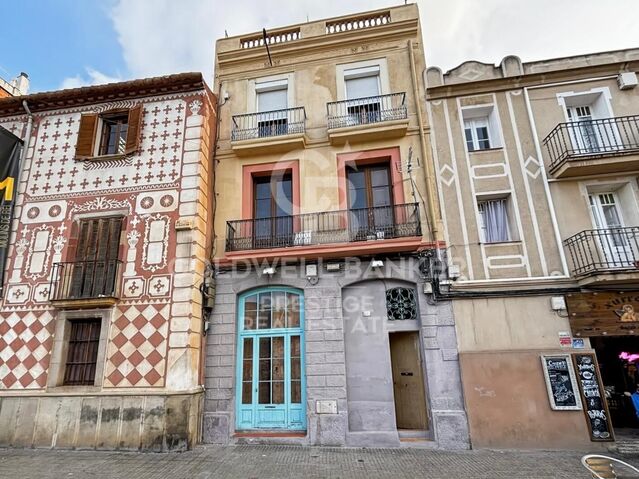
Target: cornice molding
(527, 80)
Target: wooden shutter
(134, 131)
(84, 148)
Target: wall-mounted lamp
(270, 271)
(377, 263)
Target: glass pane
(247, 393)
(381, 196)
(469, 139)
(296, 392)
(278, 369)
(279, 309)
(265, 370)
(262, 188)
(250, 312)
(379, 176)
(482, 138)
(295, 346)
(293, 310)
(264, 317)
(356, 179)
(265, 348)
(265, 393)
(263, 208)
(278, 392)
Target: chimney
(21, 84)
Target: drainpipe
(26, 141)
(433, 214)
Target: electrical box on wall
(627, 80)
(557, 303)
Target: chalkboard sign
(595, 404)
(561, 383)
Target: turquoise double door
(271, 384)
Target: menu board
(595, 405)
(561, 382)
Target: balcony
(604, 251)
(325, 228)
(85, 284)
(593, 147)
(269, 132)
(364, 119)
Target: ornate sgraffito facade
(153, 324)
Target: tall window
(93, 273)
(114, 133)
(272, 101)
(370, 201)
(362, 91)
(82, 353)
(477, 134)
(272, 210)
(493, 217)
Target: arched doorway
(270, 361)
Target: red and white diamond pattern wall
(138, 343)
(25, 341)
(55, 191)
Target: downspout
(433, 213)
(26, 141)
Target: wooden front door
(408, 381)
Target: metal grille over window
(401, 304)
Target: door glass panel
(250, 312)
(264, 314)
(278, 306)
(293, 310)
(247, 372)
(277, 373)
(264, 379)
(296, 370)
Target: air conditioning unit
(627, 80)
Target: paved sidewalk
(263, 462)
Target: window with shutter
(111, 133)
(96, 258)
(82, 353)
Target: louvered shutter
(134, 130)
(85, 146)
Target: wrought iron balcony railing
(362, 111)
(267, 124)
(379, 223)
(592, 138)
(604, 250)
(85, 280)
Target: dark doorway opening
(620, 375)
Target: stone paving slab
(265, 462)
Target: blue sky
(55, 39)
(69, 43)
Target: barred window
(401, 304)
(82, 355)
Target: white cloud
(92, 77)
(167, 36)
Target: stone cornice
(528, 80)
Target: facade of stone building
(537, 175)
(101, 318)
(321, 332)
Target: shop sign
(603, 313)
